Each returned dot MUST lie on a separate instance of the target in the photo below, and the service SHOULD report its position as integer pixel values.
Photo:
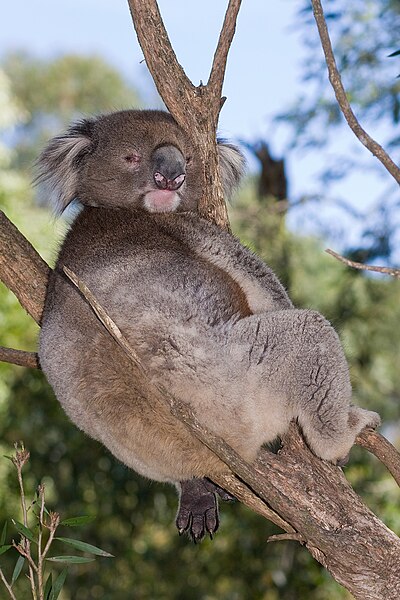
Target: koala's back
(173, 307)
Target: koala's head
(132, 158)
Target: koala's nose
(169, 168)
(164, 183)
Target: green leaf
(59, 582)
(48, 595)
(17, 569)
(78, 545)
(77, 521)
(394, 54)
(4, 549)
(3, 535)
(25, 531)
(70, 559)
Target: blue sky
(263, 73)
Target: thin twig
(54, 522)
(7, 585)
(341, 96)
(40, 536)
(356, 265)
(105, 319)
(19, 357)
(26, 554)
(20, 459)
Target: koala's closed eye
(132, 159)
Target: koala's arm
(263, 290)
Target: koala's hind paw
(360, 418)
(198, 508)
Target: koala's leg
(198, 507)
(296, 357)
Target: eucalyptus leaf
(17, 569)
(48, 595)
(58, 584)
(70, 559)
(78, 545)
(3, 535)
(25, 531)
(77, 521)
(4, 549)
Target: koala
(208, 319)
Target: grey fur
(207, 317)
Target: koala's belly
(177, 287)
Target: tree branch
(358, 265)
(19, 357)
(217, 74)
(22, 269)
(179, 409)
(384, 451)
(341, 96)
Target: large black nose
(169, 168)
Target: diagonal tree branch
(357, 265)
(22, 269)
(341, 96)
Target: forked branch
(195, 108)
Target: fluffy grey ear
(58, 164)
(232, 165)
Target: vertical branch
(218, 68)
(19, 460)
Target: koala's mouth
(158, 201)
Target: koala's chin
(161, 201)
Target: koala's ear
(232, 165)
(58, 164)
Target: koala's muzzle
(169, 168)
